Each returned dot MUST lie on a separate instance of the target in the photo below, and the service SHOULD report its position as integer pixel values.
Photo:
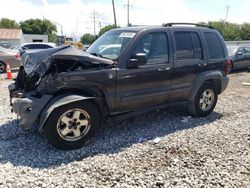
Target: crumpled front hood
(39, 62)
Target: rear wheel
(2, 67)
(205, 100)
(70, 126)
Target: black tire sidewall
(205, 86)
(5, 66)
(50, 126)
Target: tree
(6, 23)
(88, 38)
(245, 31)
(106, 28)
(230, 31)
(38, 26)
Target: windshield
(111, 44)
(231, 50)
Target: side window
(241, 50)
(247, 50)
(188, 45)
(197, 46)
(44, 46)
(27, 47)
(214, 45)
(155, 46)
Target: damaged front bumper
(28, 108)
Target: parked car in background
(11, 57)
(34, 45)
(239, 57)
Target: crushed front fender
(29, 108)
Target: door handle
(163, 69)
(202, 64)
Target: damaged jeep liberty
(67, 93)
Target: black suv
(68, 93)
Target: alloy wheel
(73, 124)
(206, 100)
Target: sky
(75, 17)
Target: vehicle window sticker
(127, 35)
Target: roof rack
(201, 25)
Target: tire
(204, 101)
(63, 128)
(2, 67)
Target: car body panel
(58, 102)
(115, 86)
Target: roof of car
(45, 43)
(139, 28)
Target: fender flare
(58, 102)
(203, 77)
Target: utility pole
(227, 10)
(60, 26)
(128, 7)
(77, 23)
(113, 4)
(94, 20)
(100, 25)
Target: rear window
(215, 49)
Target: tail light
(17, 56)
(228, 67)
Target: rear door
(240, 58)
(149, 84)
(189, 61)
(247, 56)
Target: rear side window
(215, 49)
(188, 45)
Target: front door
(149, 84)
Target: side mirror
(239, 53)
(137, 60)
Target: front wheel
(70, 126)
(205, 100)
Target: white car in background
(35, 45)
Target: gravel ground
(158, 149)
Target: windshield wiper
(96, 54)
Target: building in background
(28, 38)
(11, 37)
